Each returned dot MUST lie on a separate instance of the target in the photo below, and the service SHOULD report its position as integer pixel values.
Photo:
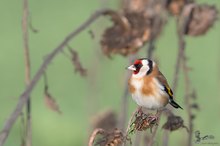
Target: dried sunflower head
(174, 123)
(142, 122)
(129, 32)
(201, 18)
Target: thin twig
(187, 100)
(25, 95)
(124, 102)
(186, 12)
(28, 136)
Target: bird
(148, 86)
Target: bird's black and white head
(142, 67)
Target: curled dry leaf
(51, 103)
(76, 62)
(173, 123)
(202, 18)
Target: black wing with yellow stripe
(167, 89)
(171, 101)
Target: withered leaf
(76, 62)
(50, 102)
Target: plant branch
(25, 95)
(181, 29)
(187, 101)
(179, 58)
(28, 136)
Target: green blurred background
(81, 98)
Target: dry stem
(181, 29)
(28, 136)
(187, 100)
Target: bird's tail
(174, 104)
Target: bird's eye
(138, 66)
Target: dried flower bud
(51, 103)
(195, 106)
(201, 18)
(143, 121)
(174, 123)
(193, 116)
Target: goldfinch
(149, 87)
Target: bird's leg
(139, 111)
(154, 118)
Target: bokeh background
(81, 98)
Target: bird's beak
(132, 67)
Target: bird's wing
(162, 80)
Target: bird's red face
(141, 67)
(136, 66)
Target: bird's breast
(146, 93)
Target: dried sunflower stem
(187, 100)
(25, 94)
(181, 29)
(175, 81)
(28, 133)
